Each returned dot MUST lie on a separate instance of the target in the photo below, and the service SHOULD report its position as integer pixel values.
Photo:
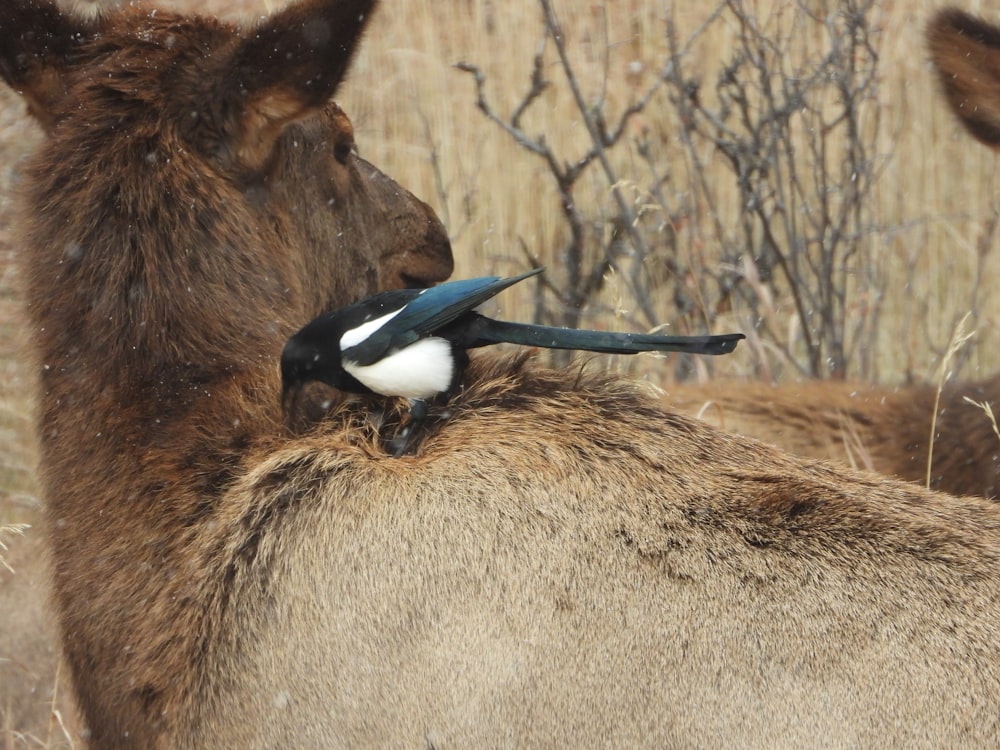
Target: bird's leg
(401, 442)
(418, 410)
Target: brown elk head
(200, 195)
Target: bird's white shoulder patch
(421, 370)
(355, 336)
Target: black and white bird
(412, 343)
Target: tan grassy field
(415, 116)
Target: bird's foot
(400, 444)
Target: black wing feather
(428, 312)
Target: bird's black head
(300, 363)
(313, 354)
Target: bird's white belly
(421, 370)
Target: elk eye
(342, 151)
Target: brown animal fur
(889, 429)
(567, 562)
(563, 563)
(966, 53)
(883, 429)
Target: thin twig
(600, 142)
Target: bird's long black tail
(488, 331)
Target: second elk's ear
(966, 53)
(37, 45)
(286, 69)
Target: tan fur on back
(663, 585)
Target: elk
(562, 562)
(889, 429)
(882, 429)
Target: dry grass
(959, 338)
(415, 117)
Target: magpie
(412, 343)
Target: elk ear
(289, 67)
(37, 43)
(966, 52)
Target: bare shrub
(792, 114)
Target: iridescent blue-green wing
(427, 312)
